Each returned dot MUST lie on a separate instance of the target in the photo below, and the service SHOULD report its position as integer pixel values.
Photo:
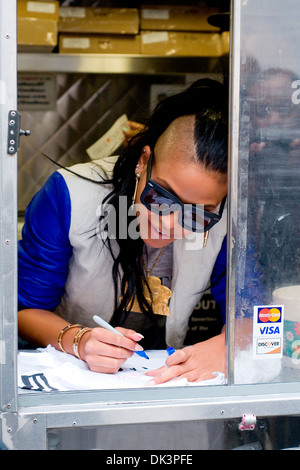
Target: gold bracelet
(77, 339)
(63, 331)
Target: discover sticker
(267, 331)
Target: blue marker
(108, 327)
(170, 351)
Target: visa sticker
(268, 331)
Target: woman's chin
(156, 243)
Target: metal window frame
(26, 417)
(8, 211)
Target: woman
(168, 187)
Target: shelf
(110, 64)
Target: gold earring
(205, 238)
(137, 178)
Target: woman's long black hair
(207, 100)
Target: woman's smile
(159, 232)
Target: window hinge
(14, 132)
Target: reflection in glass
(268, 225)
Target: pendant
(160, 297)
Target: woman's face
(183, 176)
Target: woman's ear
(144, 158)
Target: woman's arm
(102, 350)
(44, 254)
(41, 327)
(44, 251)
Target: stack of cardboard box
(160, 30)
(37, 25)
(179, 31)
(99, 30)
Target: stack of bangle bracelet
(76, 339)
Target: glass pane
(268, 219)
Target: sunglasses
(192, 217)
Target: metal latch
(248, 422)
(14, 132)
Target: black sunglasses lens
(157, 201)
(192, 217)
(195, 219)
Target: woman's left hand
(195, 363)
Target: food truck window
(68, 134)
(80, 118)
(262, 258)
(266, 230)
(264, 242)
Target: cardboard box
(99, 44)
(177, 18)
(37, 25)
(225, 41)
(98, 20)
(173, 43)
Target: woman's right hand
(104, 351)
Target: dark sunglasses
(192, 217)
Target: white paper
(72, 12)
(37, 91)
(76, 43)
(155, 14)
(110, 141)
(41, 7)
(154, 37)
(50, 370)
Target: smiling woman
(146, 285)
(189, 216)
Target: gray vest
(89, 288)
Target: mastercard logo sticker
(272, 314)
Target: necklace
(157, 294)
